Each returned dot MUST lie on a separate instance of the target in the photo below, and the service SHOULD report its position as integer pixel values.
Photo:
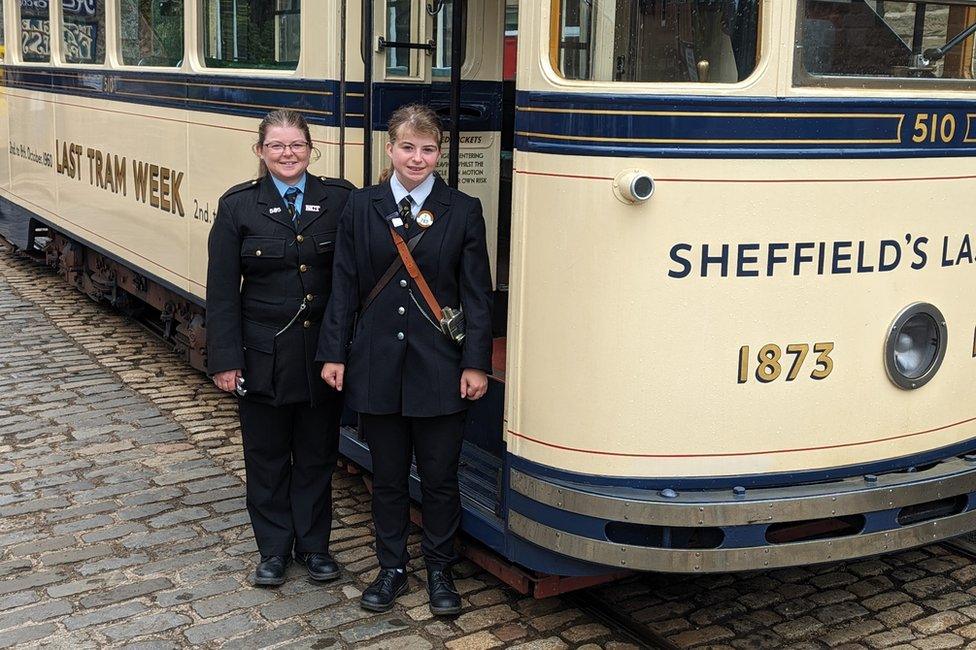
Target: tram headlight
(916, 345)
(633, 186)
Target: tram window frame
(102, 26)
(804, 79)
(22, 35)
(121, 9)
(556, 49)
(205, 61)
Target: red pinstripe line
(740, 453)
(763, 180)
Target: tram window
(35, 31)
(443, 41)
(881, 38)
(2, 47)
(636, 40)
(83, 31)
(402, 25)
(262, 34)
(151, 32)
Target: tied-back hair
(418, 118)
(285, 118)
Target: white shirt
(418, 195)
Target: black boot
(444, 598)
(382, 594)
(319, 565)
(271, 571)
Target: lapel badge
(274, 210)
(312, 208)
(425, 219)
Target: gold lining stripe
(530, 109)
(222, 103)
(572, 138)
(324, 93)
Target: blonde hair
(285, 118)
(418, 118)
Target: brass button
(258, 252)
(307, 324)
(309, 297)
(299, 239)
(302, 268)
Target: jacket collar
(438, 204)
(313, 202)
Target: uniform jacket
(397, 361)
(260, 274)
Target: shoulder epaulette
(336, 182)
(242, 186)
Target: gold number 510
(932, 127)
(769, 361)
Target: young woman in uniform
(409, 381)
(268, 281)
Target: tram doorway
(410, 48)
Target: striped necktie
(291, 195)
(406, 211)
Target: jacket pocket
(259, 358)
(271, 247)
(324, 241)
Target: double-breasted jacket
(396, 360)
(268, 282)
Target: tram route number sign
(158, 186)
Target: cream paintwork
(608, 354)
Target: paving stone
(87, 618)
(265, 638)
(373, 629)
(298, 605)
(26, 634)
(937, 623)
(224, 603)
(146, 540)
(411, 642)
(36, 579)
(125, 592)
(73, 556)
(188, 594)
(34, 613)
(18, 599)
(477, 641)
(146, 624)
(222, 629)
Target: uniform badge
(312, 208)
(274, 210)
(425, 219)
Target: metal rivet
(738, 490)
(668, 493)
(871, 478)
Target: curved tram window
(35, 31)
(151, 32)
(881, 38)
(635, 40)
(83, 31)
(252, 34)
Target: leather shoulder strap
(417, 276)
(389, 273)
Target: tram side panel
(30, 120)
(630, 321)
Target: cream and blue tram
(729, 236)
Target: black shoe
(271, 571)
(444, 598)
(319, 565)
(382, 594)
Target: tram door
(411, 48)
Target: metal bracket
(430, 46)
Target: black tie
(291, 194)
(406, 213)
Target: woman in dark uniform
(409, 381)
(277, 233)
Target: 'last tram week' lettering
(750, 260)
(157, 185)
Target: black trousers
(436, 444)
(290, 453)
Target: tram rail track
(614, 618)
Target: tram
(728, 239)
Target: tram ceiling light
(915, 345)
(633, 186)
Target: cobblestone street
(123, 524)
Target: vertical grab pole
(457, 34)
(342, 89)
(367, 92)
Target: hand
(474, 384)
(332, 373)
(227, 380)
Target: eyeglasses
(278, 148)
